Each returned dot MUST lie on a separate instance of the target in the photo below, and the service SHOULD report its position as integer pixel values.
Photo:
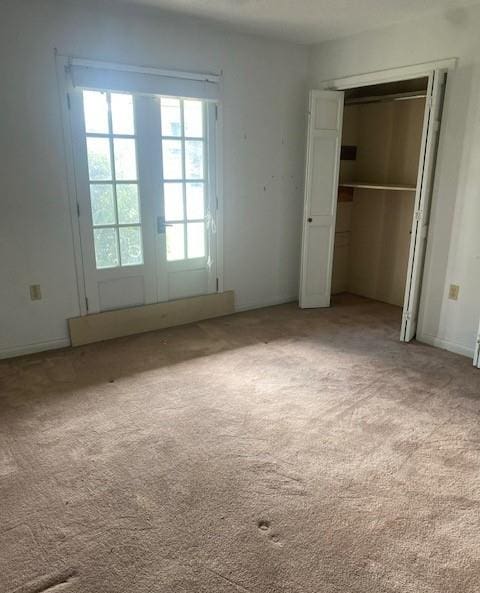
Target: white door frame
(62, 63)
(394, 75)
(389, 75)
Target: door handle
(162, 225)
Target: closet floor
(273, 451)
(344, 299)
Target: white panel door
(321, 188)
(421, 217)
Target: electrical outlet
(453, 292)
(35, 292)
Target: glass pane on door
(193, 114)
(175, 242)
(143, 160)
(99, 161)
(184, 177)
(112, 159)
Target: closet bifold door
(321, 188)
(476, 357)
(421, 215)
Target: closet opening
(372, 143)
(380, 153)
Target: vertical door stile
(211, 196)
(149, 190)
(83, 199)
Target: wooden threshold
(137, 320)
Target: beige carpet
(276, 451)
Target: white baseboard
(270, 303)
(35, 347)
(445, 345)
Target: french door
(145, 182)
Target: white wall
(264, 107)
(454, 241)
(264, 101)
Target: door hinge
(418, 215)
(216, 203)
(69, 104)
(86, 303)
(216, 112)
(217, 285)
(78, 210)
(407, 316)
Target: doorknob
(310, 219)
(162, 225)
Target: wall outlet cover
(453, 292)
(35, 292)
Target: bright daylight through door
(183, 177)
(112, 171)
(113, 177)
(146, 193)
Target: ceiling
(308, 21)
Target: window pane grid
(187, 238)
(111, 134)
(116, 181)
(125, 225)
(117, 233)
(194, 138)
(165, 181)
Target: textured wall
(263, 153)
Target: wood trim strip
(135, 320)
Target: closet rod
(385, 98)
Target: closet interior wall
(372, 238)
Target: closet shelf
(384, 186)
